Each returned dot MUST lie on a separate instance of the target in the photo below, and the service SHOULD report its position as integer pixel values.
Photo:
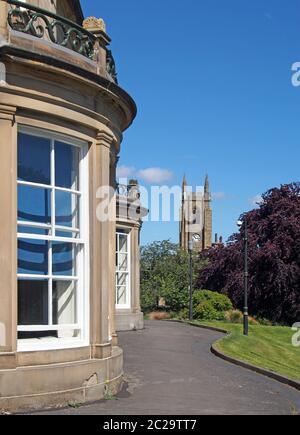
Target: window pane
(67, 234)
(64, 259)
(34, 204)
(64, 303)
(121, 295)
(33, 159)
(32, 302)
(33, 230)
(66, 165)
(32, 257)
(67, 209)
(123, 262)
(123, 243)
(122, 279)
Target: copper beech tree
(274, 259)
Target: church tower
(196, 217)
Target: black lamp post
(246, 276)
(191, 247)
(195, 238)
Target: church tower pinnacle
(184, 183)
(206, 185)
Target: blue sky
(212, 81)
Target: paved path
(170, 371)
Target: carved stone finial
(134, 190)
(93, 24)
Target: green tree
(165, 274)
(274, 259)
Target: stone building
(129, 222)
(62, 118)
(196, 217)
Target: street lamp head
(191, 246)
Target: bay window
(123, 288)
(52, 239)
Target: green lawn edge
(268, 347)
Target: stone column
(101, 245)
(112, 248)
(3, 20)
(8, 237)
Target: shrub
(210, 305)
(159, 315)
(253, 321)
(264, 322)
(234, 316)
(220, 302)
(183, 314)
(206, 311)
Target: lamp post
(191, 247)
(195, 238)
(246, 276)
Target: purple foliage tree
(274, 259)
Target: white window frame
(82, 273)
(128, 272)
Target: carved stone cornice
(103, 138)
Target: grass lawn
(269, 347)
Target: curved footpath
(171, 371)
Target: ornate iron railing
(111, 66)
(41, 23)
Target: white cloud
(155, 175)
(256, 200)
(219, 196)
(125, 171)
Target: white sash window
(52, 240)
(123, 288)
